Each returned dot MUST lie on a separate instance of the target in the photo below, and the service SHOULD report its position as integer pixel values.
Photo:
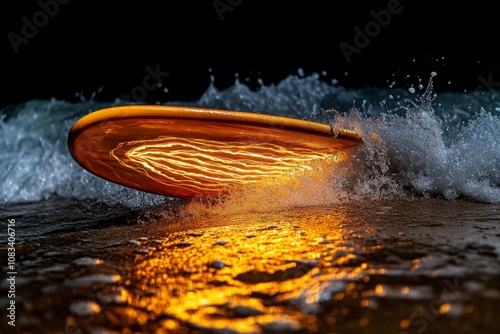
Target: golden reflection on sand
(240, 277)
(382, 266)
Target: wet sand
(395, 266)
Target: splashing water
(442, 145)
(411, 152)
(403, 155)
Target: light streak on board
(207, 166)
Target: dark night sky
(80, 46)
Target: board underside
(187, 152)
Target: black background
(104, 48)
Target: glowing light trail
(207, 166)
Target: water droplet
(84, 308)
(87, 261)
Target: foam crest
(412, 153)
(294, 96)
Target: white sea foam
(445, 145)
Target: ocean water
(402, 236)
(416, 143)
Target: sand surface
(395, 266)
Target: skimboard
(187, 152)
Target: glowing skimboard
(187, 151)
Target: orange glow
(189, 152)
(277, 264)
(205, 166)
